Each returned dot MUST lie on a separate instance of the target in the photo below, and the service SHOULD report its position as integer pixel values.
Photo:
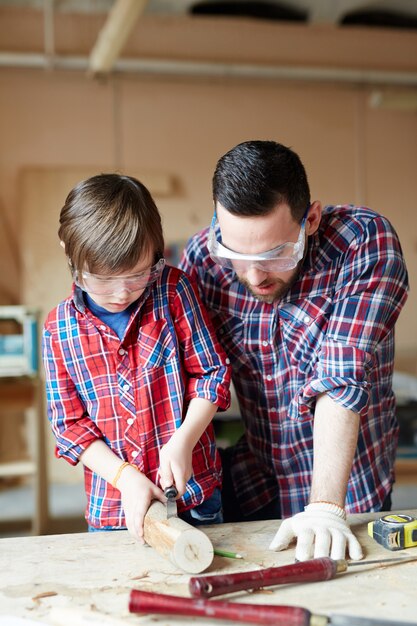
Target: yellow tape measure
(395, 531)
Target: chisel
(270, 615)
(171, 493)
(313, 570)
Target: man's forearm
(335, 440)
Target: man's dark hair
(255, 176)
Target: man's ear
(313, 217)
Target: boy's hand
(175, 463)
(137, 493)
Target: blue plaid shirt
(333, 332)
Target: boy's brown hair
(109, 222)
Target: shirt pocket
(231, 335)
(304, 326)
(156, 344)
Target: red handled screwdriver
(147, 602)
(265, 614)
(303, 571)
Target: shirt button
(306, 319)
(269, 377)
(126, 387)
(122, 352)
(103, 327)
(227, 361)
(265, 343)
(130, 422)
(273, 409)
(135, 454)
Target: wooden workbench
(97, 570)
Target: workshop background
(160, 90)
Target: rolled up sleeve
(70, 423)
(370, 292)
(342, 372)
(205, 362)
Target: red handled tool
(147, 602)
(269, 615)
(310, 571)
(303, 571)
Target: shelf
(17, 393)
(24, 394)
(17, 468)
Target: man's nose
(255, 276)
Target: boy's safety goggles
(108, 285)
(283, 258)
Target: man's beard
(282, 286)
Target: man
(305, 300)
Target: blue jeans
(209, 512)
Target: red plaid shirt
(333, 333)
(133, 393)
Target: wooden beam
(114, 34)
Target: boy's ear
(62, 244)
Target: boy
(134, 372)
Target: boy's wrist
(117, 480)
(184, 439)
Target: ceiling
(398, 13)
(122, 15)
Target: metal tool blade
(353, 620)
(398, 559)
(171, 493)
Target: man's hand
(175, 463)
(137, 493)
(319, 532)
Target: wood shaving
(140, 576)
(45, 594)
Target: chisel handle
(301, 572)
(147, 602)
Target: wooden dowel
(185, 546)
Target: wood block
(187, 547)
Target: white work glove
(321, 530)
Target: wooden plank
(84, 570)
(16, 393)
(17, 468)
(406, 471)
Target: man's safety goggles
(109, 285)
(283, 258)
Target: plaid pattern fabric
(134, 393)
(333, 332)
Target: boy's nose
(121, 289)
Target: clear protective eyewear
(100, 285)
(283, 258)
